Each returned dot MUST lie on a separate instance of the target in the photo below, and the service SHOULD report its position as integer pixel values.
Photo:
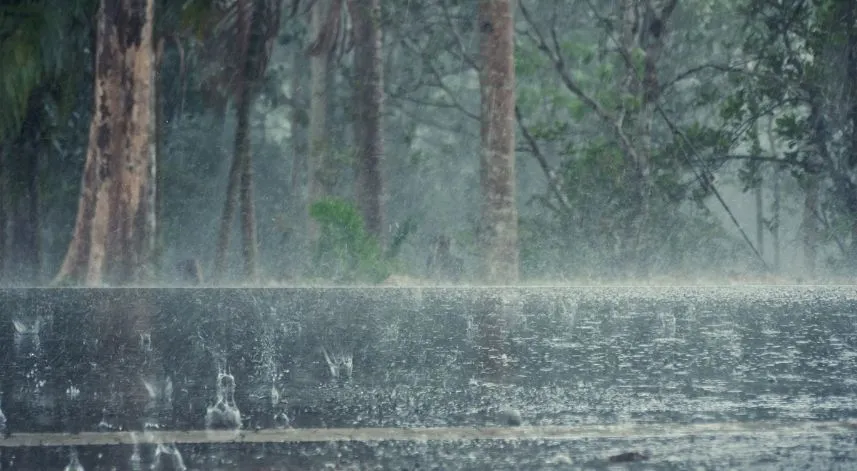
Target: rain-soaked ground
(523, 378)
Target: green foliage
(345, 251)
(42, 43)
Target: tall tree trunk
(298, 124)
(248, 212)
(239, 189)
(369, 101)
(4, 211)
(228, 215)
(159, 136)
(499, 218)
(114, 226)
(775, 230)
(643, 29)
(850, 18)
(317, 163)
(760, 220)
(810, 226)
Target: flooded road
(748, 378)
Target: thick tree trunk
(114, 226)
(369, 100)
(850, 17)
(499, 219)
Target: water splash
(279, 405)
(339, 364)
(224, 414)
(73, 462)
(171, 455)
(2, 420)
(160, 404)
(136, 461)
(27, 340)
(104, 424)
(668, 324)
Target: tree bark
(239, 189)
(114, 228)
(248, 211)
(226, 218)
(298, 124)
(499, 214)
(810, 226)
(775, 230)
(317, 162)
(4, 211)
(369, 102)
(643, 28)
(850, 16)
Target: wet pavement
(656, 359)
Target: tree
(115, 225)
(804, 65)
(369, 100)
(250, 26)
(324, 27)
(499, 214)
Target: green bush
(345, 251)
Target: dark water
(443, 358)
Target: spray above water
(224, 414)
(171, 457)
(160, 404)
(2, 420)
(340, 365)
(27, 339)
(73, 462)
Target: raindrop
(146, 342)
(72, 392)
(668, 324)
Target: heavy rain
(441, 234)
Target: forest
(166, 142)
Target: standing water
(482, 378)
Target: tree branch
(559, 64)
(551, 176)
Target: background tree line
(485, 141)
